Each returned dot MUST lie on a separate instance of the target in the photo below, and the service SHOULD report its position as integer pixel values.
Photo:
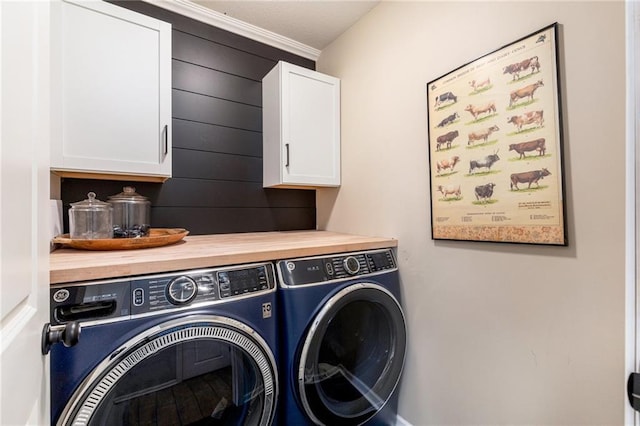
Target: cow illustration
(453, 190)
(487, 162)
(534, 145)
(484, 192)
(449, 119)
(525, 92)
(529, 177)
(482, 134)
(532, 117)
(477, 110)
(447, 138)
(447, 163)
(447, 96)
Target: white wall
(498, 333)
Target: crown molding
(220, 20)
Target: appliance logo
(266, 310)
(61, 295)
(291, 266)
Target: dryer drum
(352, 358)
(155, 378)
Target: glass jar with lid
(131, 214)
(90, 219)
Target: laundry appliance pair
(308, 341)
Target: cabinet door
(113, 109)
(311, 127)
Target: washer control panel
(161, 292)
(336, 267)
(102, 301)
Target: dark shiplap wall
(217, 138)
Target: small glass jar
(131, 214)
(90, 219)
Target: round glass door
(352, 357)
(191, 371)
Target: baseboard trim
(401, 421)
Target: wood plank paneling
(215, 166)
(196, 50)
(182, 192)
(199, 79)
(220, 194)
(208, 137)
(217, 139)
(227, 220)
(205, 109)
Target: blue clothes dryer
(343, 339)
(194, 347)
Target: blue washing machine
(194, 347)
(343, 339)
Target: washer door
(352, 357)
(198, 370)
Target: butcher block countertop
(202, 251)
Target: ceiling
(315, 23)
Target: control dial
(181, 290)
(224, 282)
(351, 265)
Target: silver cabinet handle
(287, 146)
(166, 139)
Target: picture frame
(496, 146)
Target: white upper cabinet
(111, 101)
(301, 128)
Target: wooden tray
(157, 237)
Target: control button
(224, 282)
(329, 267)
(138, 297)
(351, 265)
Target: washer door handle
(69, 335)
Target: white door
(24, 224)
(632, 360)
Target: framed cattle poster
(495, 146)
